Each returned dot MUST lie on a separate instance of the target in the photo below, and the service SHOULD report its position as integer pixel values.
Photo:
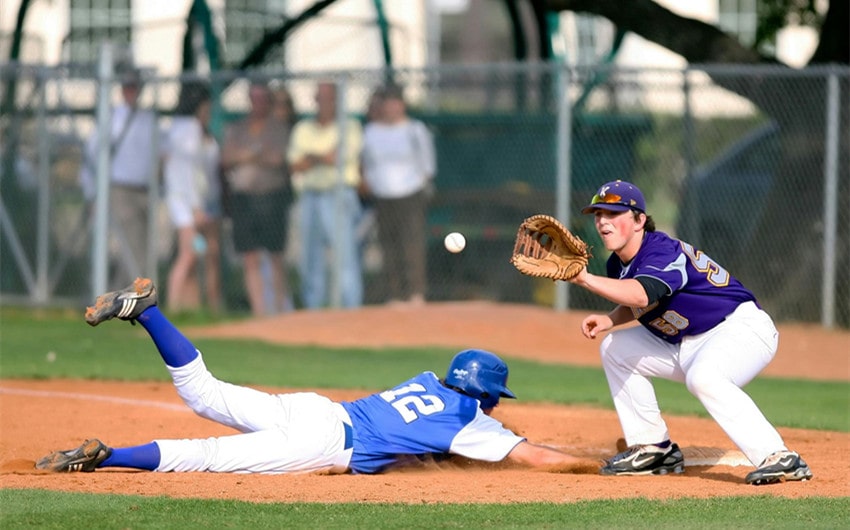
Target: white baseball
(455, 242)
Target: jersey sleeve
(664, 262)
(654, 288)
(484, 438)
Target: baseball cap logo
(606, 198)
(460, 373)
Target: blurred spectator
(193, 196)
(134, 160)
(283, 108)
(398, 168)
(373, 107)
(259, 198)
(367, 232)
(328, 202)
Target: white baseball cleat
(780, 466)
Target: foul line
(94, 397)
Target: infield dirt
(41, 416)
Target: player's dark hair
(649, 225)
(452, 387)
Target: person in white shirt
(398, 163)
(134, 159)
(193, 196)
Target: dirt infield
(40, 416)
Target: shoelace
(636, 449)
(774, 458)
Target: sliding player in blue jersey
(423, 418)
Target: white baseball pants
(281, 433)
(713, 365)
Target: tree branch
(834, 45)
(696, 41)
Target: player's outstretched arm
(550, 459)
(628, 292)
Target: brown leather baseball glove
(547, 249)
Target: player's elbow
(641, 300)
(638, 297)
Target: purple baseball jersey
(422, 418)
(702, 293)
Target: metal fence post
(693, 220)
(100, 264)
(830, 202)
(43, 226)
(150, 267)
(563, 160)
(335, 297)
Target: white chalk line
(94, 397)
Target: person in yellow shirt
(328, 201)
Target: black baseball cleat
(126, 304)
(84, 458)
(780, 466)
(646, 460)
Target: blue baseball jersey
(701, 293)
(422, 418)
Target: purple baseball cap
(617, 196)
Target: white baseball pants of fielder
(713, 365)
(281, 433)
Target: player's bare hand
(593, 325)
(580, 278)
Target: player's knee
(702, 382)
(615, 352)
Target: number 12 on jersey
(410, 405)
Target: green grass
(38, 509)
(117, 351)
(120, 352)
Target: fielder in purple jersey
(705, 294)
(699, 326)
(424, 418)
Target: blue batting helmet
(479, 374)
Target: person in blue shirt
(420, 419)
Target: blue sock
(664, 445)
(175, 349)
(140, 457)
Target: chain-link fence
(749, 164)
